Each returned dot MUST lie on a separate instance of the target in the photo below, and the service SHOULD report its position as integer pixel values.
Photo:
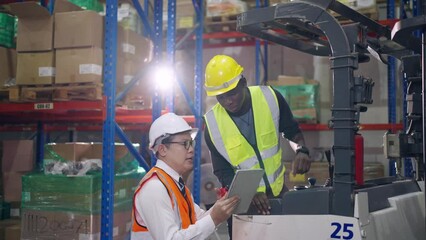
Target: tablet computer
(244, 185)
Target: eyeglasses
(187, 144)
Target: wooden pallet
(225, 18)
(10, 94)
(220, 23)
(61, 92)
(78, 92)
(32, 93)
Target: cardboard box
(126, 70)
(287, 80)
(134, 52)
(9, 229)
(132, 46)
(12, 186)
(225, 8)
(47, 225)
(7, 66)
(185, 14)
(79, 65)
(18, 155)
(79, 29)
(13, 232)
(35, 25)
(308, 115)
(35, 68)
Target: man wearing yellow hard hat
(243, 131)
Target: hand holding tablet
(244, 185)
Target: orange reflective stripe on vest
(185, 204)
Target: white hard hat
(166, 125)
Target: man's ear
(162, 150)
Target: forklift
(348, 207)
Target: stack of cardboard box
(36, 57)
(17, 159)
(67, 47)
(224, 8)
(78, 41)
(185, 15)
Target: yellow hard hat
(222, 75)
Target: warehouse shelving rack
(52, 116)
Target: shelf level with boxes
(60, 62)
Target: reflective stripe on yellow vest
(185, 204)
(232, 145)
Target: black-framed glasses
(186, 144)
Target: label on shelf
(46, 71)
(15, 212)
(43, 106)
(128, 48)
(123, 12)
(90, 69)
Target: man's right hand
(223, 208)
(261, 202)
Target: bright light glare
(164, 78)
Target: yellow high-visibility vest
(233, 146)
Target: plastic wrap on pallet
(75, 193)
(93, 5)
(7, 30)
(79, 158)
(303, 100)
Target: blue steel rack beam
(108, 150)
(195, 106)
(171, 39)
(198, 78)
(158, 49)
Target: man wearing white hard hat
(163, 207)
